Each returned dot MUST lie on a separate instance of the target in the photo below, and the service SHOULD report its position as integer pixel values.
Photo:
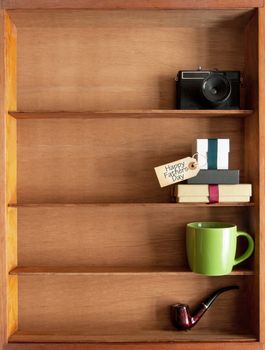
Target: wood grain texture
(262, 171)
(112, 236)
(134, 205)
(10, 64)
(118, 60)
(8, 285)
(147, 337)
(58, 158)
(12, 304)
(131, 4)
(138, 346)
(11, 159)
(119, 270)
(81, 161)
(74, 18)
(11, 238)
(252, 152)
(12, 285)
(11, 170)
(11, 197)
(3, 271)
(126, 307)
(134, 114)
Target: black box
(215, 177)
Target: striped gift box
(212, 153)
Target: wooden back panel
(135, 236)
(125, 306)
(99, 60)
(110, 160)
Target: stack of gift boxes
(214, 182)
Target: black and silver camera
(208, 89)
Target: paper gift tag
(180, 170)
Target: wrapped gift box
(215, 177)
(201, 193)
(213, 153)
(222, 199)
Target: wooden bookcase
(92, 250)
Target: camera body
(208, 89)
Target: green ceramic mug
(211, 247)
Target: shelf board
(195, 335)
(133, 114)
(123, 270)
(132, 205)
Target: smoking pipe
(181, 316)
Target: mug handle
(249, 250)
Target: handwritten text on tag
(180, 170)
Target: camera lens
(216, 88)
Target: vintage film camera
(208, 89)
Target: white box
(223, 149)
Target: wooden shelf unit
(92, 249)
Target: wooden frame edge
(3, 276)
(11, 172)
(262, 166)
(135, 346)
(131, 4)
(8, 258)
